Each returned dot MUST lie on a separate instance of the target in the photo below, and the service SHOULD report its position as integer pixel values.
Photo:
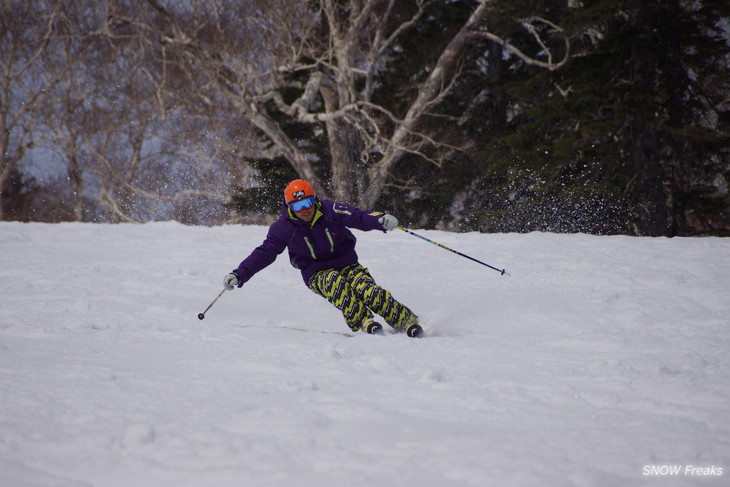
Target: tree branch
(528, 24)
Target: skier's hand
(388, 222)
(230, 281)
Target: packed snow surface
(598, 361)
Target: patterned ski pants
(353, 291)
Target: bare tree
(146, 106)
(82, 95)
(331, 55)
(152, 153)
(38, 52)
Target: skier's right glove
(230, 281)
(388, 222)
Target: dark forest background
(607, 117)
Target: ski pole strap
(501, 271)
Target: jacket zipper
(311, 249)
(329, 237)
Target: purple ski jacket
(323, 243)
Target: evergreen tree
(629, 133)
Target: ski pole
(501, 271)
(202, 315)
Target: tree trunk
(652, 217)
(76, 178)
(3, 181)
(348, 175)
(678, 168)
(497, 103)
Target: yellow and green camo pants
(353, 291)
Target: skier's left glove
(388, 222)
(230, 281)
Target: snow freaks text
(682, 470)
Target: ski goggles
(299, 205)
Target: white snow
(600, 361)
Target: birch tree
(38, 51)
(320, 63)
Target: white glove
(230, 281)
(388, 222)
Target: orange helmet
(297, 190)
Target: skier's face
(305, 214)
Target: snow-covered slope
(598, 362)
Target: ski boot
(372, 327)
(414, 330)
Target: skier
(321, 246)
